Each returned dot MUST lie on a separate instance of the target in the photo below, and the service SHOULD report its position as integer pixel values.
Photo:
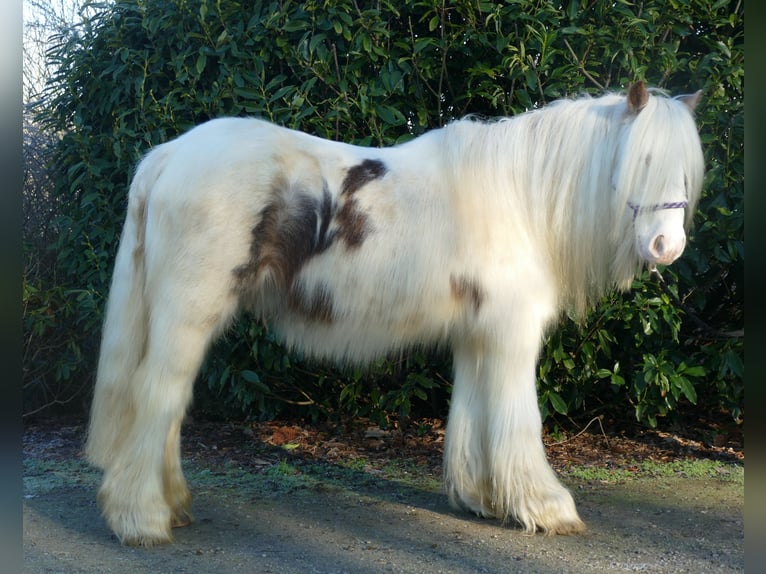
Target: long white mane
(568, 171)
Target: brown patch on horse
(296, 226)
(140, 217)
(353, 223)
(316, 305)
(362, 174)
(465, 289)
(287, 235)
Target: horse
(480, 236)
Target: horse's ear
(638, 96)
(691, 100)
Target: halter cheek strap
(656, 207)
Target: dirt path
(284, 513)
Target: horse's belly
(360, 314)
(350, 341)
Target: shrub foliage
(134, 73)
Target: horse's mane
(555, 169)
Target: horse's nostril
(658, 247)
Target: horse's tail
(125, 331)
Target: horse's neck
(548, 182)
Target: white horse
(478, 236)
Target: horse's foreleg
(495, 462)
(465, 456)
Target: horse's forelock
(662, 138)
(657, 142)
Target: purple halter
(656, 207)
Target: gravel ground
(287, 499)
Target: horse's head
(659, 173)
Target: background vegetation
(133, 73)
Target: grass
(42, 476)
(697, 468)
(294, 475)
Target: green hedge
(136, 73)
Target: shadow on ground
(296, 516)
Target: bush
(138, 73)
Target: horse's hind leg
(176, 492)
(144, 492)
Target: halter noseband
(656, 207)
